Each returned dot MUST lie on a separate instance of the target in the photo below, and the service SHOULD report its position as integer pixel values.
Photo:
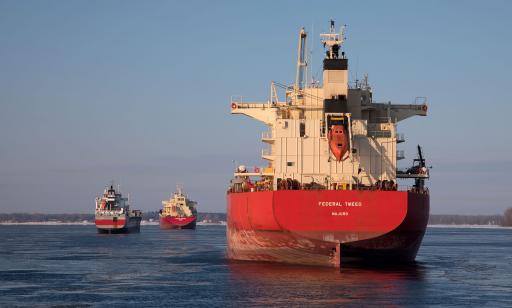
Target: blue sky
(138, 92)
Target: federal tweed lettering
(340, 203)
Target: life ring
(233, 106)
(256, 170)
(424, 108)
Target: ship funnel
(335, 76)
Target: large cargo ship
(178, 212)
(113, 213)
(330, 192)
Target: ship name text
(340, 203)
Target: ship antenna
(342, 33)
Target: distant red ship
(330, 192)
(178, 212)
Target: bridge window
(302, 128)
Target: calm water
(73, 266)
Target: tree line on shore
(496, 220)
(507, 217)
(500, 220)
(76, 218)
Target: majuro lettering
(340, 203)
(339, 213)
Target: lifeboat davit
(338, 141)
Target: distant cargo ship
(178, 212)
(113, 213)
(329, 192)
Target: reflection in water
(299, 285)
(176, 251)
(179, 234)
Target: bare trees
(507, 217)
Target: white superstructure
(178, 206)
(111, 203)
(297, 137)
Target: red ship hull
(168, 222)
(125, 225)
(326, 227)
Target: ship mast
(333, 41)
(419, 183)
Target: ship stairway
(267, 154)
(400, 138)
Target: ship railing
(236, 99)
(420, 100)
(383, 119)
(266, 152)
(400, 154)
(266, 135)
(403, 174)
(379, 133)
(258, 105)
(404, 187)
(237, 102)
(408, 188)
(108, 212)
(400, 137)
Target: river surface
(73, 266)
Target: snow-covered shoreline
(469, 226)
(89, 223)
(46, 223)
(221, 223)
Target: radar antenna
(333, 41)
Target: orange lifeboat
(338, 141)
